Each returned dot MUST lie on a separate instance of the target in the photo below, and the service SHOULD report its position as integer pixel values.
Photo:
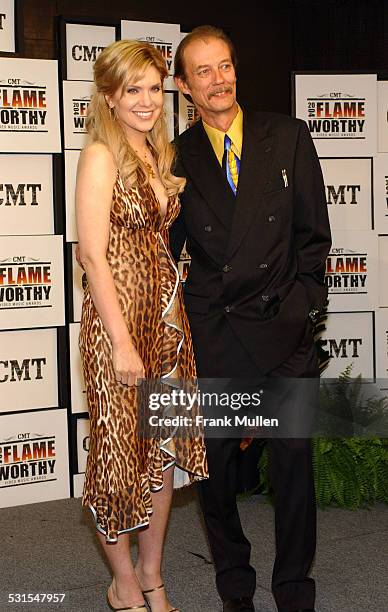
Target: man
(254, 218)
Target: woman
(133, 325)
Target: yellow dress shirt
(235, 133)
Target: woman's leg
(151, 540)
(124, 590)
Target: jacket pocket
(275, 184)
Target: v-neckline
(155, 197)
(162, 216)
(148, 182)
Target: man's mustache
(221, 90)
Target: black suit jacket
(258, 258)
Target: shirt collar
(235, 133)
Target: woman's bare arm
(96, 176)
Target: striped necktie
(232, 164)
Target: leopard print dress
(123, 467)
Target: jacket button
(263, 266)
(228, 308)
(271, 218)
(265, 298)
(208, 228)
(226, 268)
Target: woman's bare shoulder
(97, 157)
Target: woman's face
(140, 106)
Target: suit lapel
(256, 157)
(202, 166)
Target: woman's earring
(112, 113)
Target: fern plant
(348, 472)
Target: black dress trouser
(291, 477)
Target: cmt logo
(24, 194)
(345, 194)
(3, 17)
(29, 369)
(345, 348)
(83, 53)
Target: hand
(128, 367)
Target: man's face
(210, 77)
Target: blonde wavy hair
(122, 63)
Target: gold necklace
(150, 170)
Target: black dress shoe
(240, 604)
(304, 610)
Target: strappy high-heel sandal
(158, 588)
(133, 608)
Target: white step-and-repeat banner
(34, 449)
(347, 115)
(44, 428)
(7, 26)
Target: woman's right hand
(127, 364)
